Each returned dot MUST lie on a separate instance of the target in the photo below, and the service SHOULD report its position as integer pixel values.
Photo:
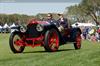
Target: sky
(33, 8)
(73, 1)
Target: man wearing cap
(63, 22)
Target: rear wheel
(14, 38)
(51, 41)
(77, 43)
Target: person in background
(84, 33)
(93, 38)
(98, 31)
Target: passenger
(63, 22)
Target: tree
(86, 8)
(11, 18)
(90, 7)
(75, 12)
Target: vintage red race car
(42, 33)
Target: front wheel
(77, 43)
(15, 38)
(51, 41)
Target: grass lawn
(88, 55)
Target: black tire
(12, 45)
(77, 44)
(51, 40)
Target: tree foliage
(86, 9)
(12, 18)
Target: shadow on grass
(61, 50)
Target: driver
(51, 20)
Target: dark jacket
(63, 22)
(52, 21)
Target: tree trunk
(92, 14)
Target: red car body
(42, 33)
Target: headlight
(39, 28)
(22, 29)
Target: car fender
(73, 33)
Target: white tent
(0, 27)
(6, 26)
(13, 25)
(83, 24)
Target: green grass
(88, 55)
